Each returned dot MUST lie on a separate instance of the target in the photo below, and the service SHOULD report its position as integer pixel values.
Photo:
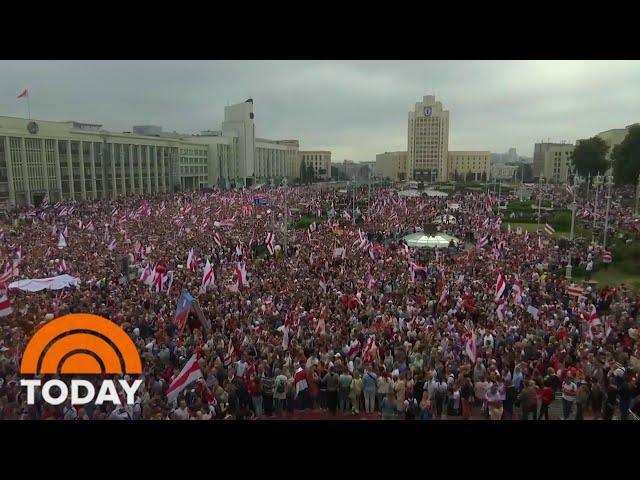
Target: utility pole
(606, 218)
(573, 220)
(596, 183)
(588, 182)
(540, 202)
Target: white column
(148, 157)
(163, 170)
(83, 179)
(132, 180)
(94, 184)
(25, 170)
(7, 157)
(45, 171)
(123, 177)
(114, 182)
(56, 154)
(156, 181)
(141, 186)
(72, 192)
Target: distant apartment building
(469, 165)
(392, 165)
(320, 161)
(552, 161)
(612, 138)
(428, 141)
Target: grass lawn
(613, 277)
(532, 227)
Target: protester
(374, 327)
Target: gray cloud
(355, 109)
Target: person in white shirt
(493, 399)
(182, 412)
(569, 391)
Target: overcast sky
(353, 108)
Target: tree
(311, 174)
(626, 158)
(303, 172)
(589, 157)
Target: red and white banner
(189, 374)
(208, 277)
(5, 303)
(501, 285)
(575, 291)
(269, 243)
(549, 229)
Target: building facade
(320, 161)
(503, 172)
(428, 141)
(552, 161)
(392, 165)
(469, 165)
(71, 160)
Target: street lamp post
(596, 184)
(573, 221)
(286, 218)
(606, 218)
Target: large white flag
(62, 242)
(207, 278)
(189, 374)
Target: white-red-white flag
(501, 285)
(269, 243)
(470, 347)
(62, 242)
(241, 273)
(5, 303)
(189, 374)
(208, 277)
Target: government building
(74, 160)
(428, 141)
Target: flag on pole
(5, 303)
(269, 242)
(189, 374)
(470, 347)
(62, 242)
(191, 261)
(483, 241)
(183, 309)
(501, 285)
(207, 278)
(574, 291)
(549, 229)
(229, 355)
(241, 272)
(25, 93)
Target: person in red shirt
(547, 396)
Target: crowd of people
(334, 314)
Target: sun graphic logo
(80, 344)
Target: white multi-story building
(467, 165)
(552, 161)
(428, 141)
(72, 160)
(320, 161)
(392, 165)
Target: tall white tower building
(238, 122)
(428, 141)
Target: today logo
(80, 344)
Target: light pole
(286, 217)
(540, 202)
(596, 184)
(606, 218)
(573, 221)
